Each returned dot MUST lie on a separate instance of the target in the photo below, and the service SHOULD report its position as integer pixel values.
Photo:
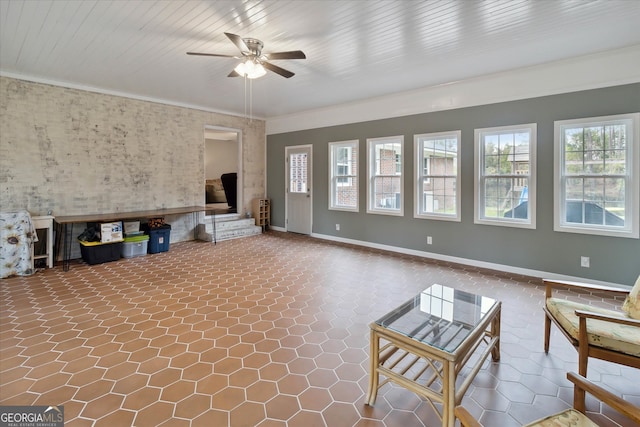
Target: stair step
(223, 217)
(228, 229)
(230, 224)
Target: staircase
(227, 226)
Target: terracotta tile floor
(263, 331)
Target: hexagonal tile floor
(263, 331)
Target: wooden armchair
(570, 417)
(595, 332)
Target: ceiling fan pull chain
(245, 96)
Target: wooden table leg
(495, 332)
(374, 376)
(448, 394)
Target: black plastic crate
(98, 254)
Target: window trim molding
(531, 190)
(632, 230)
(339, 144)
(417, 194)
(371, 169)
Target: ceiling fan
(254, 62)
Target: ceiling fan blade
(233, 74)
(294, 54)
(237, 40)
(277, 70)
(211, 54)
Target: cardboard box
(111, 232)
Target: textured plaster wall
(221, 156)
(78, 152)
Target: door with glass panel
(298, 189)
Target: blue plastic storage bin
(159, 239)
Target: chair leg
(583, 347)
(579, 399)
(583, 358)
(547, 332)
(579, 395)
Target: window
(505, 177)
(298, 173)
(596, 175)
(384, 170)
(343, 175)
(437, 181)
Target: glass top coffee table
(425, 343)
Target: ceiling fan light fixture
(250, 69)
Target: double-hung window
(343, 176)
(505, 176)
(596, 175)
(384, 170)
(437, 188)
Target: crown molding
(604, 69)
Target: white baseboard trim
(464, 261)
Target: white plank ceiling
(355, 49)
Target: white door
(298, 189)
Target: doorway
(223, 169)
(298, 189)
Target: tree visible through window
(597, 191)
(505, 175)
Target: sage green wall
(613, 260)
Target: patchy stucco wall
(78, 152)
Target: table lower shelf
(440, 377)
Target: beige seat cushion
(622, 338)
(632, 303)
(568, 418)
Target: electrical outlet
(337, 227)
(429, 240)
(584, 261)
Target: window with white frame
(384, 170)
(596, 175)
(505, 178)
(343, 175)
(437, 185)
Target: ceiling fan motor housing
(255, 46)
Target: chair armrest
(622, 406)
(549, 284)
(613, 319)
(466, 419)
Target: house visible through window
(505, 176)
(384, 168)
(437, 182)
(344, 165)
(596, 176)
(343, 177)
